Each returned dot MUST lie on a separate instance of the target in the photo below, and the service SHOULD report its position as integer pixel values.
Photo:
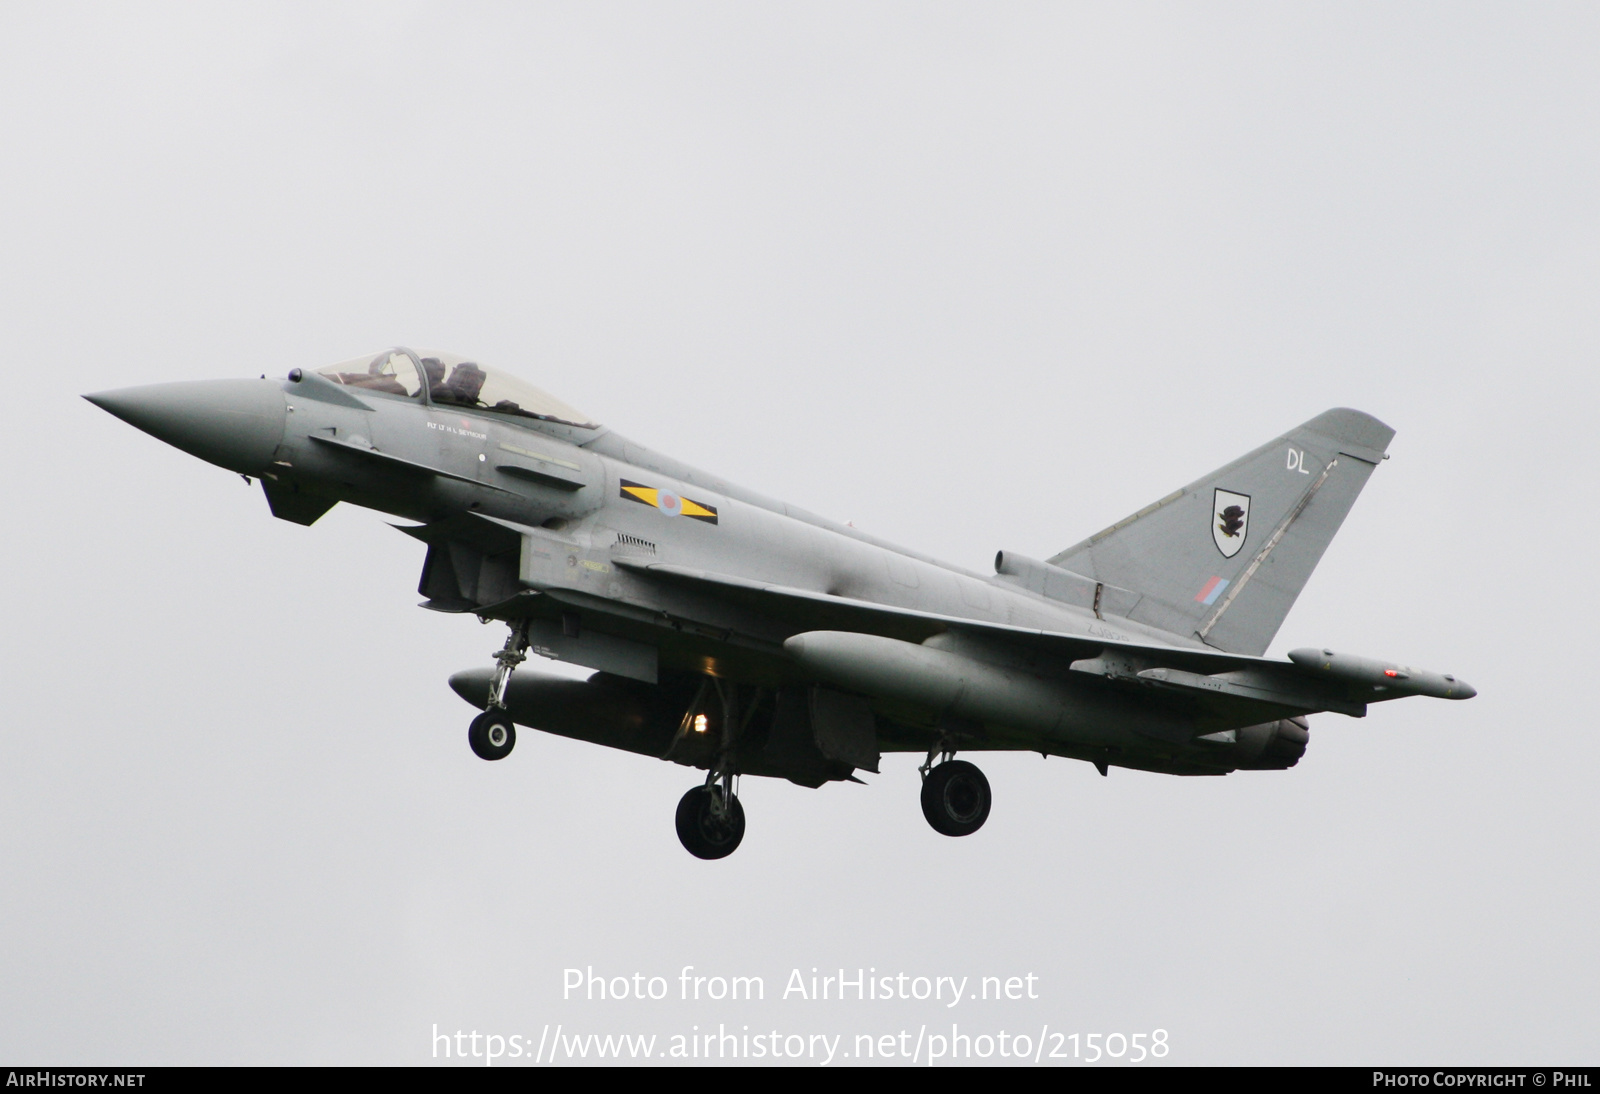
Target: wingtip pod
(1402, 679)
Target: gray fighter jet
(738, 635)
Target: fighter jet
(739, 635)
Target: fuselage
(753, 536)
(588, 511)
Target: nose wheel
(706, 827)
(955, 798)
(492, 735)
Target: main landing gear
(492, 734)
(955, 795)
(710, 821)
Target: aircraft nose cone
(236, 424)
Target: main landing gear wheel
(955, 798)
(492, 735)
(702, 831)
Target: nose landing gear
(492, 734)
(955, 795)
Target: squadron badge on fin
(1230, 521)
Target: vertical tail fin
(1224, 558)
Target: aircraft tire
(702, 833)
(492, 735)
(955, 798)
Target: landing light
(699, 723)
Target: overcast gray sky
(972, 276)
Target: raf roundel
(668, 503)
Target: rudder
(1224, 558)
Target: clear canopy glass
(452, 381)
(392, 372)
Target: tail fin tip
(1353, 428)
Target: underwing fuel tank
(953, 685)
(606, 710)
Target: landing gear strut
(710, 819)
(492, 734)
(955, 795)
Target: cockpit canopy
(450, 380)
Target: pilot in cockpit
(434, 368)
(466, 381)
